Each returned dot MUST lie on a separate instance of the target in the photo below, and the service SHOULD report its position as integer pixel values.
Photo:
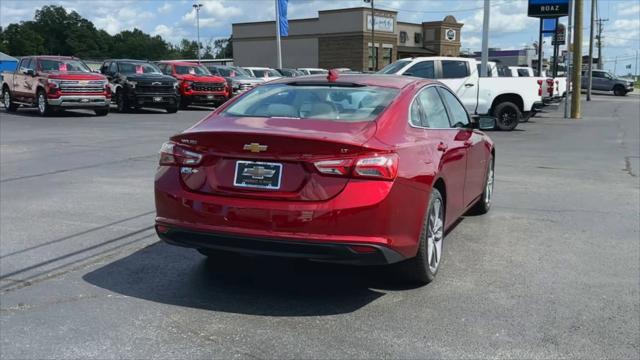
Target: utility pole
(567, 69)
(615, 65)
(197, 7)
(590, 65)
(485, 39)
(278, 44)
(577, 61)
(636, 72)
(540, 49)
(599, 37)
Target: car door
(457, 76)
(19, 90)
(453, 162)
(31, 82)
(473, 140)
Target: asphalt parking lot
(552, 271)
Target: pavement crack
(133, 158)
(627, 166)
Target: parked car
(509, 100)
(263, 73)
(196, 84)
(51, 83)
(289, 72)
(605, 81)
(301, 171)
(313, 71)
(238, 79)
(139, 83)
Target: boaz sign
(548, 8)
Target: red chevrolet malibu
(357, 169)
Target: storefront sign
(450, 34)
(548, 8)
(383, 23)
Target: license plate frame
(210, 97)
(266, 175)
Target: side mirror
(96, 71)
(30, 72)
(483, 123)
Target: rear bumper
(80, 101)
(319, 251)
(537, 106)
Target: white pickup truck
(508, 99)
(553, 89)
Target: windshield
(264, 73)
(230, 71)
(192, 70)
(63, 65)
(317, 72)
(137, 68)
(395, 67)
(344, 104)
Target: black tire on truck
(122, 102)
(101, 112)
(172, 109)
(619, 90)
(9, 105)
(507, 115)
(41, 103)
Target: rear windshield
(336, 103)
(63, 65)
(317, 72)
(137, 68)
(192, 70)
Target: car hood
(196, 78)
(74, 75)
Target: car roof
(52, 57)
(178, 62)
(382, 80)
(147, 61)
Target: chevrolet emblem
(255, 147)
(258, 172)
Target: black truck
(138, 83)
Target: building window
(373, 57)
(386, 56)
(403, 37)
(417, 37)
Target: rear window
(452, 69)
(336, 103)
(523, 73)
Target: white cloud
(626, 10)
(165, 8)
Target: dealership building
(342, 38)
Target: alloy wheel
(488, 191)
(435, 234)
(508, 117)
(6, 99)
(42, 103)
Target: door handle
(442, 147)
(469, 85)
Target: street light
(197, 7)
(374, 55)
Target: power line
(384, 7)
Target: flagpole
(279, 49)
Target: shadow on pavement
(243, 285)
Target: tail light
(382, 167)
(174, 154)
(539, 87)
(550, 86)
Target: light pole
(197, 7)
(374, 55)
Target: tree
(223, 48)
(21, 39)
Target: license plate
(258, 175)
(209, 97)
(157, 99)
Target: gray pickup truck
(605, 81)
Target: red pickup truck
(52, 83)
(196, 84)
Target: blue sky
(510, 26)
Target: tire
(172, 109)
(184, 104)
(101, 112)
(419, 270)
(484, 203)
(122, 103)
(619, 91)
(9, 105)
(507, 115)
(41, 103)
